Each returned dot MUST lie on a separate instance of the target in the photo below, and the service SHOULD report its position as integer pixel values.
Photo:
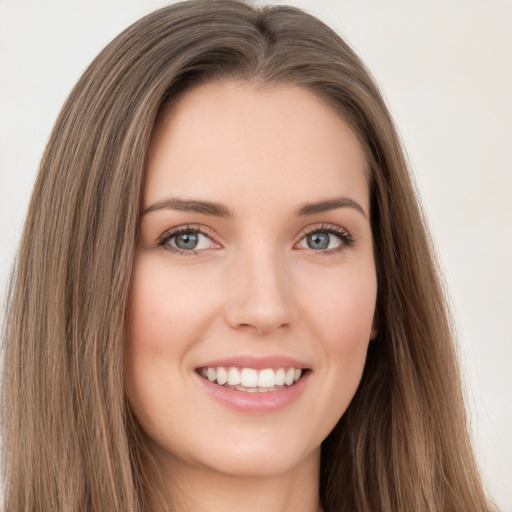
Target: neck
(194, 489)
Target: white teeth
(222, 375)
(233, 377)
(289, 376)
(249, 378)
(252, 380)
(266, 378)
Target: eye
(326, 238)
(187, 240)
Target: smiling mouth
(251, 380)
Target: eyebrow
(219, 210)
(189, 205)
(328, 205)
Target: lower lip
(255, 402)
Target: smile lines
(251, 380)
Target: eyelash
(346, 238)
(169, 235)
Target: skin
(254, 287)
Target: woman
(225, 294)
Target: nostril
(261, 327)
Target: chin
(264, 454)
(262, 463)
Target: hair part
(70, 441)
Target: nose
(260, 295)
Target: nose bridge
(260, 295)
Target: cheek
(167, 307)
(161, 322)
(346, 338)
(343, 305)
(166, 316)
(342, 319)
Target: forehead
(254, 140)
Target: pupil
(187, 241)
(318, 241)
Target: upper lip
(258, 363)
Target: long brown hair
(69, 440)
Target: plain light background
(445, 69)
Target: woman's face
(255, 264)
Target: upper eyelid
(171, 232)
(325, 226)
